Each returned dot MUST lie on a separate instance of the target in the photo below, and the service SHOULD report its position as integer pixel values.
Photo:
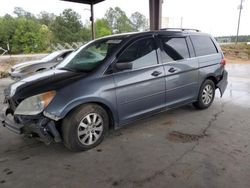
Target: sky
(217, 17)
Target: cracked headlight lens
(35, 104)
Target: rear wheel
(85, 127)
(206, 95)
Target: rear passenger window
(141, 54)
(174, 49)
(203, 45)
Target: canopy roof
(85, 1)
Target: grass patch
(240, 51)
(4, 74)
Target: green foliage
(102, 28)
(46, 18)
(85, 33)
(118, 20)
(139, 22)
(7, 30)
(241, 38)
(67, 27)
(27, 33)
(29, 36)
(23, 35)
(20, 12)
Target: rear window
(203, 45)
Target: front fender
(57, 115)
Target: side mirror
(59, 59)
(124, 66)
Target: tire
(206, 95)
(85, 127)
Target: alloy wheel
(90, 129)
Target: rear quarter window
(174, 49)
(203, 45)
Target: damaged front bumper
(42, 127)
(9, 123)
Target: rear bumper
(222, 84)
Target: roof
(85, 1)
(147, 33)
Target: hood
(41, 82)
(25, 64)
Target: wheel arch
(113, 116)
(213, 78)
(203, 79)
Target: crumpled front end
(19, 121)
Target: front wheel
(206, 95)
(85, 127)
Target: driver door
(141, 90)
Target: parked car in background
(113, 81)
(23, 69)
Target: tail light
(223, 62)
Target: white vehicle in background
(21, 70)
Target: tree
(7, 30)
(46, 18)
(29, 36)
(27, 33)
(85, 33)
(20, 12)
(102, 28)
(117, 20)
(67, 27)
(139, 22)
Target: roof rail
(180, 29)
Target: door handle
(172, 70)
(156, 73)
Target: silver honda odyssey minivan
(115, 80)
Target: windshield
(89, 56)
(51, 56)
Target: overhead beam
(155, 12)
(85, 1)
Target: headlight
(35, 104)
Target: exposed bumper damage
(41, 127)
(222, 85)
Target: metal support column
(238, 27)
(155, 10)
(92, 20)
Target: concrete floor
(210, 149)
